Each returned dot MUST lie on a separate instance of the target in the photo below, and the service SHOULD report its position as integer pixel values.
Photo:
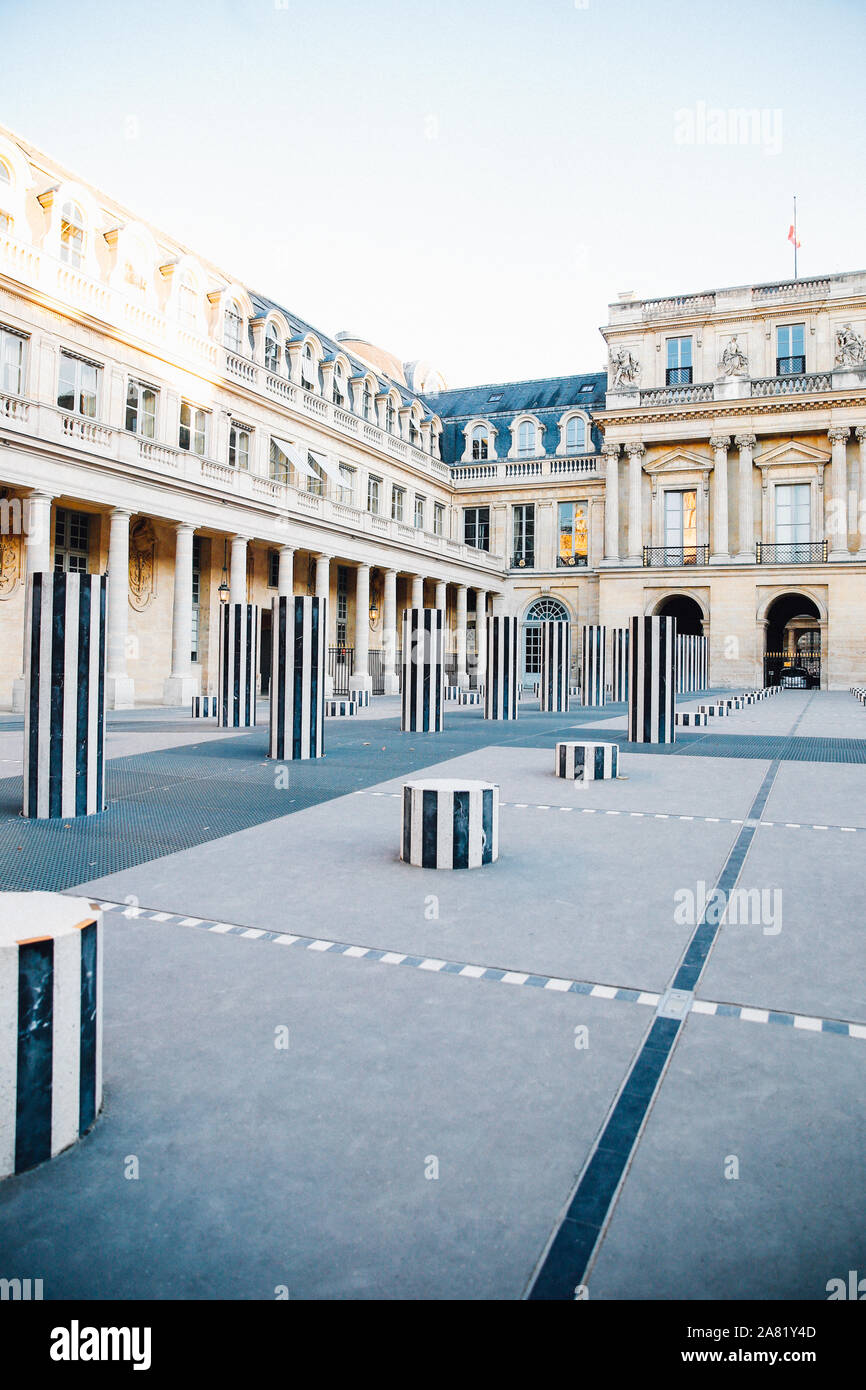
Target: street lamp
(224, 591)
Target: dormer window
(392, 417)
(526, 439)
(308, 368)
(480, 442)
(232, 327)
(368, 401)
(340, 390)
(575, 434)
(72, 235)
(272, 349)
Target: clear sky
(469, 181)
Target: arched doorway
(793, 644)
(541, 610)
(690, 619)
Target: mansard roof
(512, 398)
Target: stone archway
(686, 610)
(794, 631)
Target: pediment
(680, 461)
(792, 451)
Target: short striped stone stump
(717, 711)
(204, 706)
(587, 762)
(361, 698)
(340, 709)
(452, 692)
(574, 690)
(450, 824)
(691, 719)
(469, 697)
(50, 1025)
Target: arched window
(526, 439)
(6, 218)
(547, 610)
(480, 442)
(187, 302)
(72, 234)
(575, 434)
(543, 610)
(272, 349)
(232, 327)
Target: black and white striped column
(341, 709)
(593, 665)
(692, 665)
(652, 680)
(450, 824)
(239, 645)
(619, 663)
(298, 655)
(64, 695)
(423, 657)
(586, 762)
(502, 689)
(204, 706)
(555, 665)
(50, 1025)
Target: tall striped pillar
(239, 645)
(64, 695)
(593, 667)
(652, 680)
(619, 662)
(50, 1025)
(500, 691)
(423, 659)
(299, 629)
(555, 665)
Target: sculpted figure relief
(733, 361)
(142, 562)
(850, 347)
(625, 368)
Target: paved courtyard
(355, 1079)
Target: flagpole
(795, 236)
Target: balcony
(523, 560)
(791, 553)
(675, 556)
(791, 384)
(677, 395)
(509, 471)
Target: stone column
(361, 679)
(323, 591)
(417, 591)
(441, 600)
(611, 504)
(462, 677)
(720, 443)
(389, 634)
(37, 559)
(746, 545)
(838, 435)
(480, 636)
(635, 521)
(861, 491)
(182, 685)
(285, 572)
(238, 580)
(119, 690)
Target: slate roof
(547, 398)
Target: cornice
(730, 410)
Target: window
(78, 388)
(438, 519)
(543, 610)
(316, 484)
(419, 511)
(790, 349)
(679, 365)
(398, 498)
(575, 434)
(346, 490)
(6, 218)
(196, 597)
(476, 527)
(273, 569)
(681, 531)
(187, 302)
(272, 349)
(340, 390)
(72, 234)
(374, 489)
(524, 536)
(192, 434)
(526, 439)
(392, 417)
(434, 444)
(414, 432)
(141, 409)
(342, 604)
(480, 442)
(12, 349)
(309, 375)
(368, 401)
(573, 534)
(279, 463)
(793, 513)
(71, 541)
(239, 446)
(232, 327)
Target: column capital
(287, 548)
(720, 442)
(635, 449)
(39, 493)
(860, 432)
(745, 441)
(610, 451)
(837, 434)
(120, 512)
(181, 526)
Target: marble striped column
(619, 662)
(555, 665)
(51, 1034)
(501, 691)
(652, 680)
(239, 645)
(299, 630)
(450, 824)
(423, 705)
(64, 695)
(593, 665)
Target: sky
(466, 182)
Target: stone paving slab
(824, 794)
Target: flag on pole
(792, 237)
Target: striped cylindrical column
(239, 645)
(692, 719)
(619, 663)
(204, 706)
(423, 658)
(555, 665)
(64, 695)
(593, 666)
(298, 653)
(341, 709)
(502, 688)
(50, 1025)
(586, 762)
(652, 680)
(450, 824)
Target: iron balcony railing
(674, 556)
(790, 366)
(678, 376)
(791, 553)
(524, 560)
(570, 561)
